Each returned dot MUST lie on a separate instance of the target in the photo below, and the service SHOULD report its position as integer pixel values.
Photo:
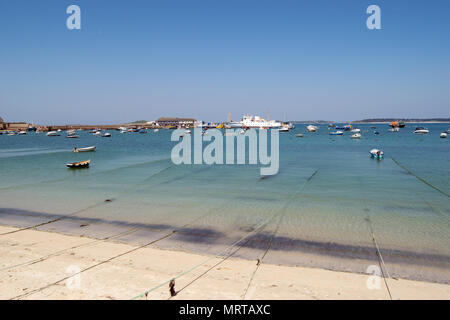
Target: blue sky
(204, 58)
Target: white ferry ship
(257, 122)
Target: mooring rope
(120, 255)
(91, 175)
(57, 253)
(222, 253)
(377, 248)
(419, 178)
(380, 257)
(275, 233)
(126, 191)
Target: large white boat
(258, 122)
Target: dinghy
(443, 135)
(377, 154)
(106, 135)
(299, 135)
(312, 128)
(336, 133)
(87, 149)
(80, 164)
(53, 134)
(72, 136)
(356, 136)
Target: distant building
(2, 124)
(175, 122)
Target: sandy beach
(40, 265)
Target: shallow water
(324, 220)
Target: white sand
(134, 273)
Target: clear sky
(302, 60)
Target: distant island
(388, 120)
(377, 120)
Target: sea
(329, 206)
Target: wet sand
(39, 265)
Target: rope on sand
(219, 255)
(57, 253)
(380, 257)
(115, 257)
(222, 254)
(419, 178)
(274, 234)
(377, 248)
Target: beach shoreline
(132, 274)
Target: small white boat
(312, 128)
(336, 133)
(443, 135)
(356, 130)
(59, 130)
(22, 132)
(155, 130)
(421, 130)
(53, 134)
(87, 149)
(106, 135)
(284, 129)
(299, 135)
(377, 154)
(97, 133)
(356, 136)
(123, 131)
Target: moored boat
(53, 134)
(312, 128)
(356, 136)
(72, 136)
(106, 135)
(443, 134)
(86, 149)
(336, 133)
(299, 135)
(80, 164)
(421, 130)
(284, 128)
(377, 154)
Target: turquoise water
(324, 220)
